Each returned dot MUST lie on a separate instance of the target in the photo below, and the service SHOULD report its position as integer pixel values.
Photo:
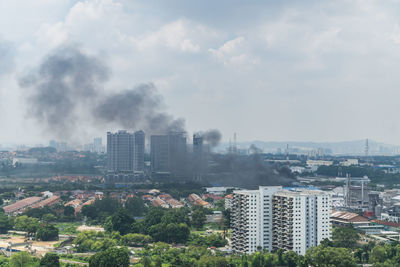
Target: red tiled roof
(391, 224)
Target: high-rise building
(159, 153)
(301, 219)
(168, 153)
(271, 218)
(120, 151)
(138, 156)
(59, 146)
(197, 145)
(97, 145)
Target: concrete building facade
(168, 153)
(120, 150)
(138, 156)
(271, 218)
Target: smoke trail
(212, 137)
(140, 107)
(65, 82)
(65, 92)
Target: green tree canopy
(111, 257)
(50, 260)
(47, 232)
(20, 259)
(122, 221)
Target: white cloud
(179, 35)
(233, 53)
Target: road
(74, 262)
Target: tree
(69, 211)
(136, 206)
(90, 211)
(133, 240)
(47, 232)
(122, 221)
(49, 218)
(290, 258)
(198, 218)
(153, 216)
(25, 223)
(20, 259)
(146, 261)
(345, 237)
(378, 254)
(111, 257)
(50, 260)
(321, 256)
(5, 223)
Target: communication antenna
(366, 150)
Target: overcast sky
(268, 70)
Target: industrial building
(272, 217)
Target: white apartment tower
(251, 220)
(271, 218)
(301, 219)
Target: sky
(267, 70)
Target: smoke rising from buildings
(66, 91)
(65, 83)
(212, 137)
(248, 171)
(140, 107)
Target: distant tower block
(234, 143)
(366, 150)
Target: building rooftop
(348, 217)
(21, 204)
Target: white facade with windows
(271, 218)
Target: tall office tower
(168, 153)
(177, 153)
(97, 145)
(197, 145)
(199, 157)
(138, 156)
(159, 153)
(271, 218)
(120, 150)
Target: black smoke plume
(247, 171)
(211, 137)
(65, 82)
(140, 107)
(66, 94)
